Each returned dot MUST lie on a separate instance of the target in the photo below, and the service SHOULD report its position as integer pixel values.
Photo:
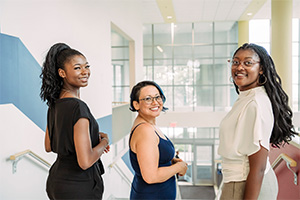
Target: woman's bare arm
(86, 155)
(145, 144)
(255, 177)
(47, 141)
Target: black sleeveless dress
(66, 179)
(142, 190)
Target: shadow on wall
(19, 80)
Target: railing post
(14, 165)
(295, 175)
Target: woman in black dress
(72, 131)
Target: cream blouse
(248, 125)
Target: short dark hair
(136, 90)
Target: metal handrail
(18, 156)
(289, 163)
(120, 172)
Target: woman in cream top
(247, 126)
(259, 116)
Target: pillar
(243, 32)
(281, 42)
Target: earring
(231, 79)
(262, 78)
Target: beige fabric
(233, 190)
(236, 190)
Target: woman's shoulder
(142, 126)
(143, 130)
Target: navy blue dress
(142, 190)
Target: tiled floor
(196, 192)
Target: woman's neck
(65, 92)
(149, 120)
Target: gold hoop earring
(262, 76)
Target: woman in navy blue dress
(151, 152)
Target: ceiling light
(159, 49)
(169, 17)
(249, 14)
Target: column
(243, 32)
(281, 42)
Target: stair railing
(289, 163)
(18, 156)
(120, 172)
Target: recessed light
(169, 17)
(249, 14)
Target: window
(189, 62)
(120, 65)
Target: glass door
(185, 152)
(203, 165)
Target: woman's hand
(104, 137)
(183, 167)
(176, 160)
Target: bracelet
(106, 140)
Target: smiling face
(149, 110)
(246, 77)
(76, 72)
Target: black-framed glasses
(244, 63)
(149, 100)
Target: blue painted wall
(19, 80)
(105, 126)
(126, 160)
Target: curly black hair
(136, 90)
(283, 129)
(52, 83)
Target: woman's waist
(237, 170)
(140, 185)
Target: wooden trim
(15, 156)
(286, 158)
(34, 155)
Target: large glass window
(120, 65)
(263, 38)
(189, 62)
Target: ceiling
(156, 11)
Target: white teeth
(240, 74)
(156, 108)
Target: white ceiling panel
(209, 10)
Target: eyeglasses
(245, 63)
(149, 100)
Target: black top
(66, 179)
(61, 120)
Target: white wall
(84, 25)
(26, 182)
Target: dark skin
(255, 177)
(246, 77)
(75, 75)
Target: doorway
(200, 160)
